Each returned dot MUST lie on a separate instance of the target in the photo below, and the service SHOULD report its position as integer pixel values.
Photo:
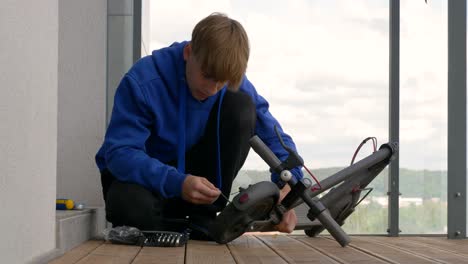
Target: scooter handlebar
(265, 153)
(334, 228)
(324, 216)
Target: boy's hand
(289, 221)
(199, 190)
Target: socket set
(164, 239)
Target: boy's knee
(239, 109)
(132, 205)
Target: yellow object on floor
(64, 204)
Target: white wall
(28, 128)
(81, 98)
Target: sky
(323, 67)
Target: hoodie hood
(170, 64)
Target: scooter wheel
(232, 222)
(314, 231)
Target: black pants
(133, 205)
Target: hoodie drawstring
(218, 170)
(181, 133)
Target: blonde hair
(221, 46)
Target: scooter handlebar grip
(334, 228)
(264, 152)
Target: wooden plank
(247, 249)
(294, 251)
(385, 252)
(169, 255)
(116, 250)
(104, 259)
(207, 252)
(334, 250)
(261, 248)
(78, 252)
(459, 246)
(111, 253)
(404, 244)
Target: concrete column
(28, 129)
(81, 98)
(119, 46)
(128, 34)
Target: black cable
(365, 195)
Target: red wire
(374, 140)
(315, 179)
(356, 152)
(374, 144)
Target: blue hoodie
(143, 134)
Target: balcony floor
(272, 248)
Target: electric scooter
(256, 208)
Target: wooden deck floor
(252, 249)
